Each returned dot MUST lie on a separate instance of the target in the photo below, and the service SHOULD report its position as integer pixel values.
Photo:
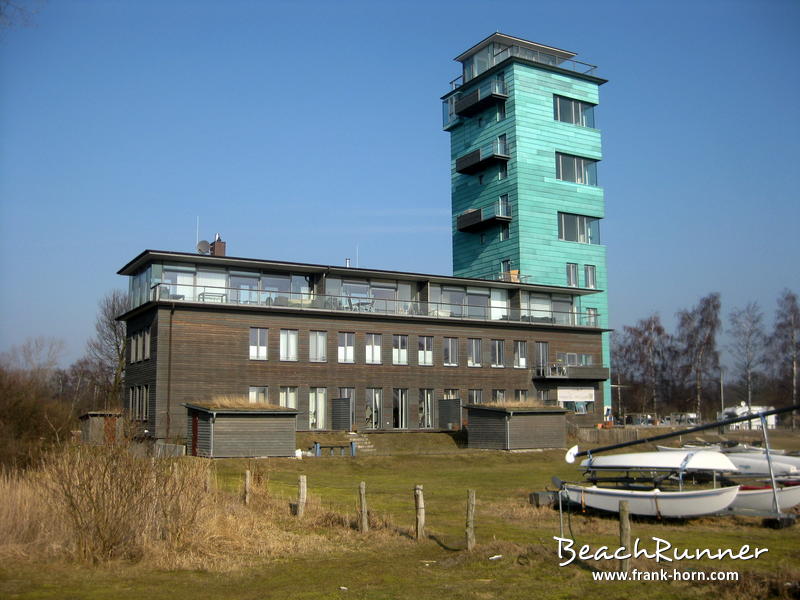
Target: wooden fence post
(301, 496)
(625, 534)
(470, 531)
(246, 495)
(363, 516)
(419, 503)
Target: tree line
(657, 372)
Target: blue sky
(309, 131)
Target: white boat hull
(755, 464)
(655, 503)
(683, 460)
(762, 500)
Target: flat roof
(256, 409)
(509, 40)
(509, 409)
(148, 256)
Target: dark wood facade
(509, 428)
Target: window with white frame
(520, 395)
(474, 352)
(425, 409)
(373, 349)
(591, 317)
(498, 353)
(578, 228)
(258, 343)
(139, 402)
(317, 408)
(590, 276)
(576, 169)
(346, 347)
(288, 396)
(258, 394)
(451, 394)
(399, 349)
(572, 274)
(373, 408)
(400, 408)
(520, 354)
(450, 352)
(475, 396)
(289, 344)
(498, 396)
(318, 346)
(569, 110)
(425, 350)
(505, 232)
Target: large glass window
(474, 352)
(498, 353)
(373, 408)
(520, 354)
(211, 286)
(399, 349)
(317, 409)
(400, 408)
(346, 347)
(373, 356)
(288, 396)
(318, 346)
(258, 343)
(289, 344)
(425, 409)
(576, 169)
(476, 396)
(573, 111)
(578, 228)
(450, 352)
(563, 310)
(258, 394)
(276, 289)
(425, 350)
(244, 288)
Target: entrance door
(195, 435)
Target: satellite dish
(203, 247)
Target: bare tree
(785, 341)
(107, 348)
(697, 332)
(748, 345)
(647, 340)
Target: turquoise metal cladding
(535, 195)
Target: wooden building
(101, 427)
(516, 428)
(395, 344)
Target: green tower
(526, 201)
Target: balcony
(365, 305)
(477, 219)
(562, 371)
(485, 156)
(488, 93)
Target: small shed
(509, 427)
(101, 427)
(240, 430)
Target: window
(501, 111)
(585, 360)
(425, 354)
(346, 347)
(591, 317)
(318, 346)
(317, 408)
(474, 352)
(450, 352)
(505, 232)
(451, 394)
(520, 354)
(498, 396)
(572, 274)
(289, 344)
(573, 111)
(505, 267)
(590, 276)
(502, 171)
(501, 144)
(480, 179)
(425, 409)
(399, 349)
(288, 397)
(576, 169)
(139, 344)
(258, 343)
(475, 396)
(372, 408)
(503, 207)
(567, 358)
(521, 395)
(146, 342)
(139, 402)
(258, 394)
(373, 348)
(400, 408)
(542, 353)
(498, 353)
(578, 228)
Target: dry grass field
(99, 523)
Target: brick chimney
(217, 246)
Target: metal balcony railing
(303, 301)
